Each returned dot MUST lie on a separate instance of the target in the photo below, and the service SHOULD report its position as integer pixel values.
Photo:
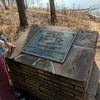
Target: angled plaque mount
(50, 45)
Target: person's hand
(10, 48)
(2, 44)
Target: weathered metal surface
(51, 45)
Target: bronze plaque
(51, 45)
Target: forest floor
(9, 20)
(96, 27)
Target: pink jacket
(5, 88)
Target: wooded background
(51, 7)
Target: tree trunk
(33, 3)
(22, 14)
(26, 4)
(53, 12)
(12, 2)
(4, 3)
(8, 2)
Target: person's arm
(10, 49)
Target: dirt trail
(96, 27)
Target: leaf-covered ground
(9, 20)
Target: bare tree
(33, 3)
(8, 2)
(4, 3)
(26, 4)
(12, 3)
(52, 11)
(22, 14)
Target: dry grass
(9, 20)
(9, 23)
